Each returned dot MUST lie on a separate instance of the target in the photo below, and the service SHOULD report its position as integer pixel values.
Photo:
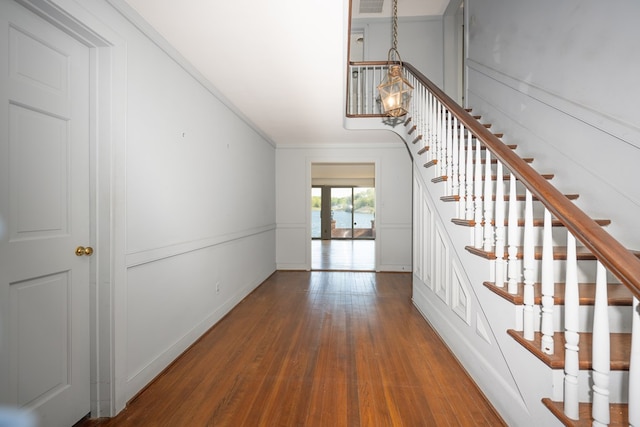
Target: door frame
(106, 147)
(345, 158)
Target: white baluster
(528, 264)
(469, 191)
(434, 125)
(432, 115)
(440, 140)
(364, 97)
(477, 240)
(601, 351)
(634, 368)
(500, 230)
(571, 335)
(462, 175)
(512, 238)
(454, 156)
(488, 203)
(455, 170)
(547, 286)
(436, 135)
(352, 90)
(416, 105)
(424, 113)
(427, 114)
(449, 155)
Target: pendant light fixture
(395, 90)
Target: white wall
(393, 201)
(559, 79)
(186, 210)
(420, 42)
(200, 209)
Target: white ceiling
(281, 62)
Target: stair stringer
(514, 382)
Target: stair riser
(618, 386)
(619, 318)
(586, 271)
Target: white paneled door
(44, 217)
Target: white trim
(344, 146)
(108, 95)
(156, 254)
(338, 159)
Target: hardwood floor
(343, 255)
(315, 349)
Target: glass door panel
(343, 213)
(316, 210)
(364, 213)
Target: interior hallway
(315, 349)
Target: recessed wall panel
(460, 298)
(39, 336)
(39, 176)
(27, 57)
(441, 284)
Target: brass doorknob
(81, 250)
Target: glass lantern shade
(395, 92)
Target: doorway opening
(343, 228)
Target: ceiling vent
(371, 6)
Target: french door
(343, 213)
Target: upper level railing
(456, 140)
(364, 78)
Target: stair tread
(497, 135)
(618, 294)
(559, 253)
(618, 414)
(519, 197)
(505, 177)
(493, 161)
(537, 222)
(423, 150)
(620, 349)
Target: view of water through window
(343, 201)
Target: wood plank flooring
(341, 255)
(315, 349)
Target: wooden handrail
(619, 260)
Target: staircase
(569, 284)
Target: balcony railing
(363, 99)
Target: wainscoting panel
(441, 265)
(460, 295)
